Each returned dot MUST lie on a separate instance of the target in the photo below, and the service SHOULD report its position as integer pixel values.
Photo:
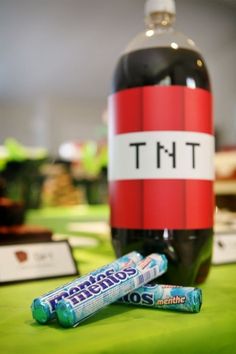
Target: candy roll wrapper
(77, 308)
(168, 297)
(43, 308)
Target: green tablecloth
(117, 328)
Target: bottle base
(188, 251)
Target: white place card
(92, 227)
(224, 249)
(20, 262)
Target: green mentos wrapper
(78, 307)
(43, 308)
(168, 297)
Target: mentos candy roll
(169, 297)
(78, 307)
(43, 308)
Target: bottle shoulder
(161, 65)
(160, 38)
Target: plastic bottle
(161, 149)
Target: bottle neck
(160, 20)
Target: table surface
(117, 328)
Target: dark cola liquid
(188, 251)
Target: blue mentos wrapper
(168, 297)
(43, 308)
(78, 307)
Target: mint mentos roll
(78, 307)
(43, 308)
(168, 297)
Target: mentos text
(92, 279)
(103, 285)
(138, 298)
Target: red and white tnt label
(161, 151)
(161, 155)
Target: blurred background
(56, 64)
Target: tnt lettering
(165, 154)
